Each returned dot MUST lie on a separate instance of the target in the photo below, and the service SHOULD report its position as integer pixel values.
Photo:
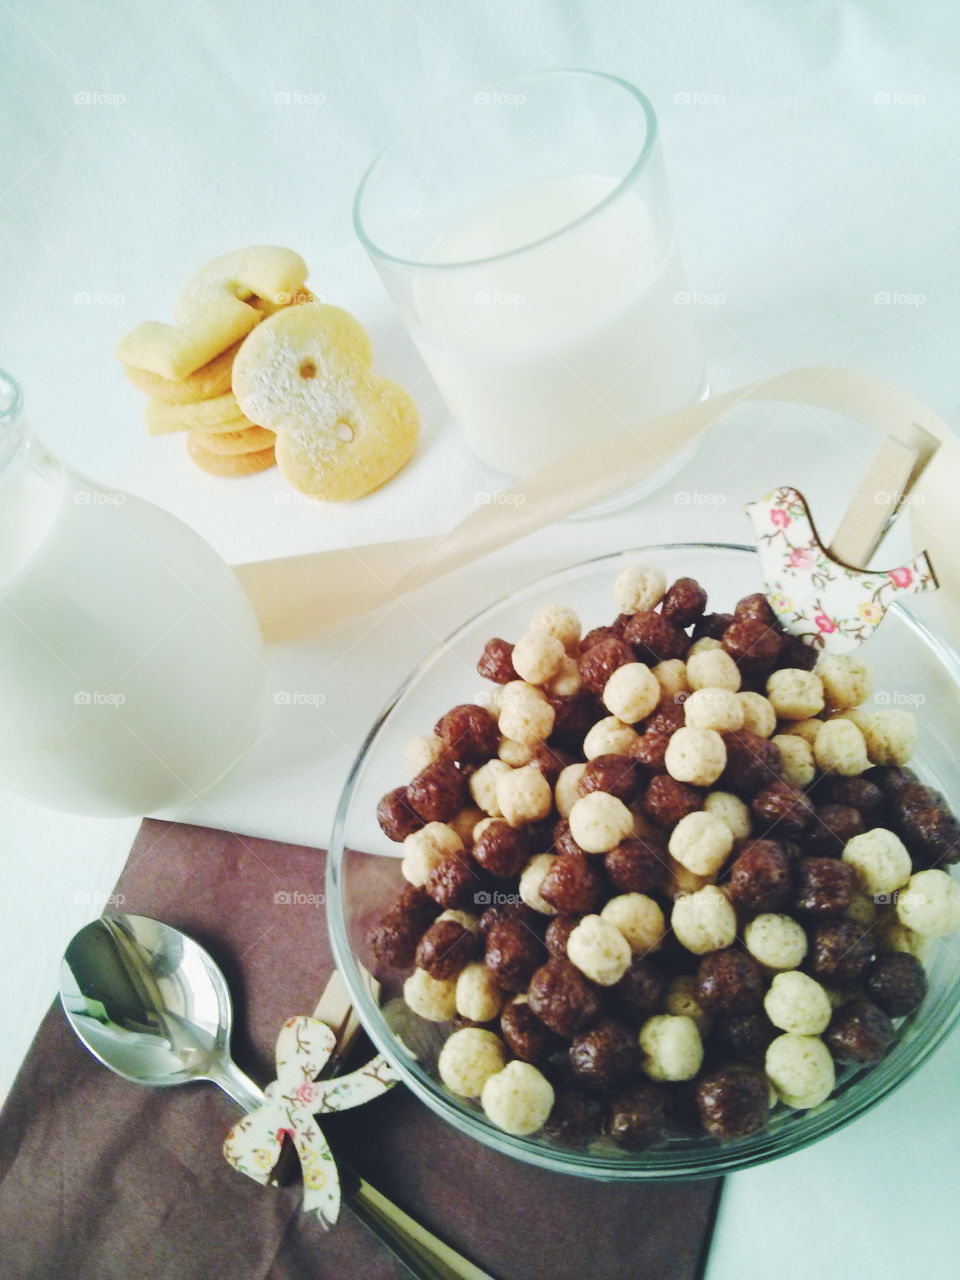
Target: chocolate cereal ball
(395, 936)
(574, 717)
(733, 1102)
(563, 999)
(782, 809)
(615, 774)
(637, 1118)
(639, 993)
(558, 934)
(456, 882)
(753, 644)
(469, 733)
(753, 763)
(756, 605)
(636, 866)
(513, 952)
(729, 983)
(896, 983)
(824, 886)
(496, 662)
(653, 638)
(574, 885)
(607, 1056)
(745, 1037)
(665, 801)
(396, 815)
(439, 792)
(833, 825)
(500, 849)
(445, 948)
(601, 660)
(526, 1036)
(840, 951)
(711, 625)
(684, 602)
(761, 879)
(859, 1032)
(575, 1118)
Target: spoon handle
(238, 1085)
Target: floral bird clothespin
(831, 605)
(293, 1100)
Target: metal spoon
(151, 1005)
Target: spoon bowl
(151, 1005)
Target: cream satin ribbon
(302, 595)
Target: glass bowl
(911, 668)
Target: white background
(813, 151)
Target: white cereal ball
(714, 709)
(671, 675)
(524, 795)
(807, 729)
(483, 787)
(891, 934)
(566, 793)
(434, 999)
(796, 759)
(712, 669)
(704, 920)
(758, 714)
(638, 918)
(423, 849)
(841, 748)
(599, 950)
(795, 694)
(776, 941)
(639, 586)
(862, 909)
(518, 1099)
(515, 754)
(732, 810)
(599, 821)
(698, 756)
(702, 842)
(477, 995)
(565, 681)
(798, 1003)
(525, 714)
(671, 1046)
(531, 878)
(801, 1070)
(422, 751)
(610, 737)
(468, 1060)
(464, 822)
(632, 692)
(465, 918)
(682, 881)
(880, 860)
(930, 904)
(537, 656)
(704, 645)
(890, 734)
(558, 621)
(846, 680)
(681, 1001)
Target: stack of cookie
(185, 369)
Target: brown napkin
(102, 1179)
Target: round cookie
(341, 430)
(204, 415)
(212, 379)
(233, 443)
(229, 465)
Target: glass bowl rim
(657, 1164)
(640, 162)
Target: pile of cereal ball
(668, 877)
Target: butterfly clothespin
(293, 1101)
(824, 594)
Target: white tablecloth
(813, 151)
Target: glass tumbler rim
(640, 162)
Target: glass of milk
(525, 234)
(131, 670)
